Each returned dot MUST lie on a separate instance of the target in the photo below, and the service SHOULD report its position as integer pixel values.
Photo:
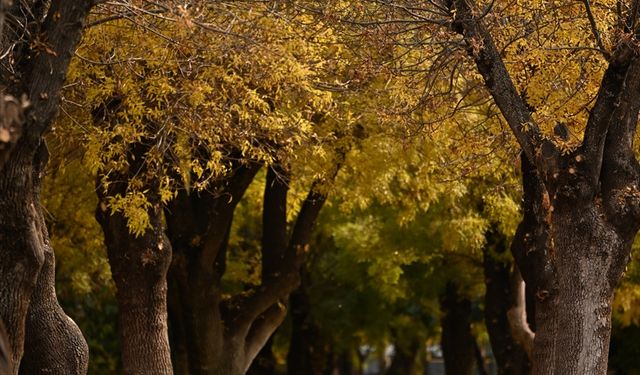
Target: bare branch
(594, 29)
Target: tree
(573, 263)
(581, 210)
(41, 40)
(179, 136)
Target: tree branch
(594, 29)
(50, 55)
(284, 275)
(261, 329)
(517, 315)
(274, 221)
(481, 47)
(608, 102)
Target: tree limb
(274, 221)
(50, 55)
(517, 315)
(261, 329)
(481, 47)
(594, 29)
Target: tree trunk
(511, 359)
(22, 248)
(54, 343)
(299, 357)
(457, 340)
(139, 266)
(32, 314)
(576, 314)
(223, 336)
(198, 225)
(581, 208)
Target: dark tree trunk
(139, 262)
(24, 244)
(222, 337)
(54, 343)
(139, 266)
(581, 208)
(198, 228)
(457, 339)
(29, 305)
(511, 359)
(22, 248)
(5, 351)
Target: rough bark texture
(581, 208)
(5, 351)
(457, 340)
(54, 343)
(510, 357)
(22, 248)
(37, 76)
(139, 266)
(139, 263)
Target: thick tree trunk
(511, 359)
(457, 340)
(24, 243)
(194, 307)
(54, 343)
(198, 228)
(28, 305)
(576, 314)
(22, 248)
(581, 208)
(223, 337)
(139, 266)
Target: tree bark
(457, 340)
(510, 358)
(38, 77)
(22, 248)
(53, 343)
(198, 227)
(223, 336)
(139, 266)
(581, 208)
